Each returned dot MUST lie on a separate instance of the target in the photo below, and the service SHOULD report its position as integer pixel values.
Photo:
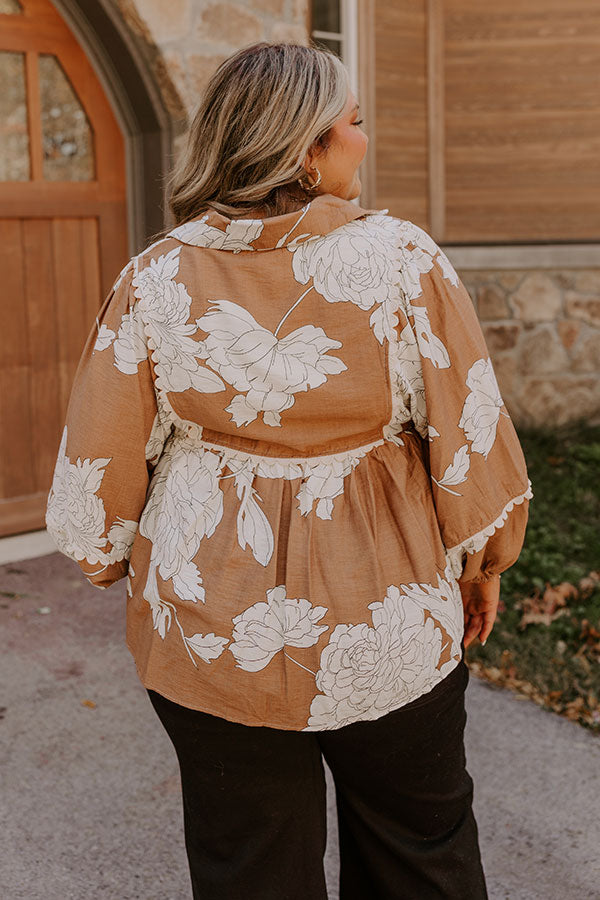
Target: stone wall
(194, 36)
(543, 333)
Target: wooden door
(62, 240)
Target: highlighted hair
(261, 112)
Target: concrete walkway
(90, 796)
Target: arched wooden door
(62, 240)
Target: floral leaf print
(75, 514)
(164, 310)
(421, 258)
(366, 671)
(239, 234)
(264, 629)
(482, 407)
(430, 346)
(448, 270)
(456, 472)
(252, 524)
(105, 337)
(269, 369)
(187, 582)
(432, 432)
(206, 646)
(121, 535)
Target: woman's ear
(308, 161)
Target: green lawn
(546, 640)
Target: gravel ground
(90, 794)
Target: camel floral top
(287, 434)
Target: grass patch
(556, 661)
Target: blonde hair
(260, 113)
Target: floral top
(288, 435)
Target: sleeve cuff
(462, 558)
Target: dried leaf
(89, 703)
(543, 608)
(589, 583)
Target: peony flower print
(367, 671)
(355, 263)
(264, 629)
(184, 505)
(350, 264)
(481, 410)
(239, 234)
(268, 369)
(130, 346)
(75, 514)
(163, 311)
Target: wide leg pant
(254, 804)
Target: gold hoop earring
(310, 185)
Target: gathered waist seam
(283, 460)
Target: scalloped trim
(283, 466)
(477, 542)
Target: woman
(286, 431)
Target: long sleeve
(112, 438)
(446, 382)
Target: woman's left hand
(480, 605)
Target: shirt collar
(319, 216)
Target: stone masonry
(193, 36)
(543, 332)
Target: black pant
(254, 804)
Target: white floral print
(161, 428)
(457, 471)
(253, 528)
(164, 310)
(184, 505)
(482, 407)
(357, 263)
(351, 263)
(406, 376)
(219, 365)
(264, 629)
(430, 346)
(105, 337)
(367, 671)
(269, 369)
(130, 346)
(421, 259)
(75, 514)
(239, 234)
